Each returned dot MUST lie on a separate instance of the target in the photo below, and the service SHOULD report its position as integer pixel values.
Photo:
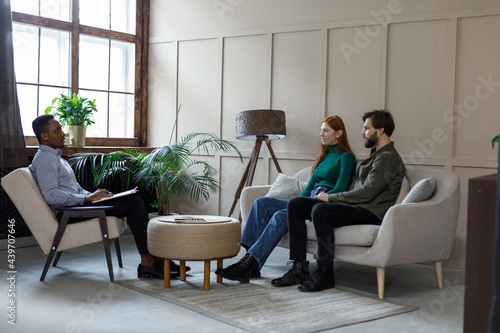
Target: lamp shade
(253, 123)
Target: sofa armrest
(415, 233)
(248, 196)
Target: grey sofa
(410, 232)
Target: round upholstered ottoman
(194, 238)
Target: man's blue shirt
(56, 179)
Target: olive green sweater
(378, 182)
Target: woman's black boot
(241, 271)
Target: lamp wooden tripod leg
(247, 178)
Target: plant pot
(77, 135)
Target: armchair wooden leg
(118, 252)
(105, 240)
(56, 260)
(55, 243)
(380, 281)
(438, 265)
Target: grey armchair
(410, 233)
(54, 236)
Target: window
(96, 48)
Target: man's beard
(371, 141)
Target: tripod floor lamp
(258, 125)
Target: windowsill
(67, 151)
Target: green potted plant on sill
(167, 170)
(75, 114)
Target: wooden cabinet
(479, 258)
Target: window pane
(25, 6)
(47, 94)
(94, 60)
(123, 15)
(25, 39)
(122, 71)
(54, 57)
(56, 9)
(121, 115)
(95, 13)
(27, 96)
(100, 128)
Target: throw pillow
(286, 187)
(422, 190)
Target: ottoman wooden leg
(183, 270)
(166, 273)
(206, 279)
(219, 266)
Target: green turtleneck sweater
(334, 171)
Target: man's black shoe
(174, 268)
(153, 271)
(241, 271)
(297, 274)
(321, 280)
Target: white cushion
(351, 235)
(422, 190)
(286, 187)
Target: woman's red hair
(336, 123)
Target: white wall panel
(231, 170)
(477, 108)
(162, 88)
(288, 166)
(417, 77)
(354, 77)
(245, 81)
(197, 88)
(457, 258)
(194, 18)
(296, 84)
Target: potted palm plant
(168, 170)
(75, 114)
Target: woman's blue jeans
(266, 224)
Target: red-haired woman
(267, 221)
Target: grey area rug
(260, 307)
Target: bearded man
(376, 188)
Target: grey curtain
(13, 152)
(12, 145)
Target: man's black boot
(241, 271)
(297, 274)
(321, 280)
